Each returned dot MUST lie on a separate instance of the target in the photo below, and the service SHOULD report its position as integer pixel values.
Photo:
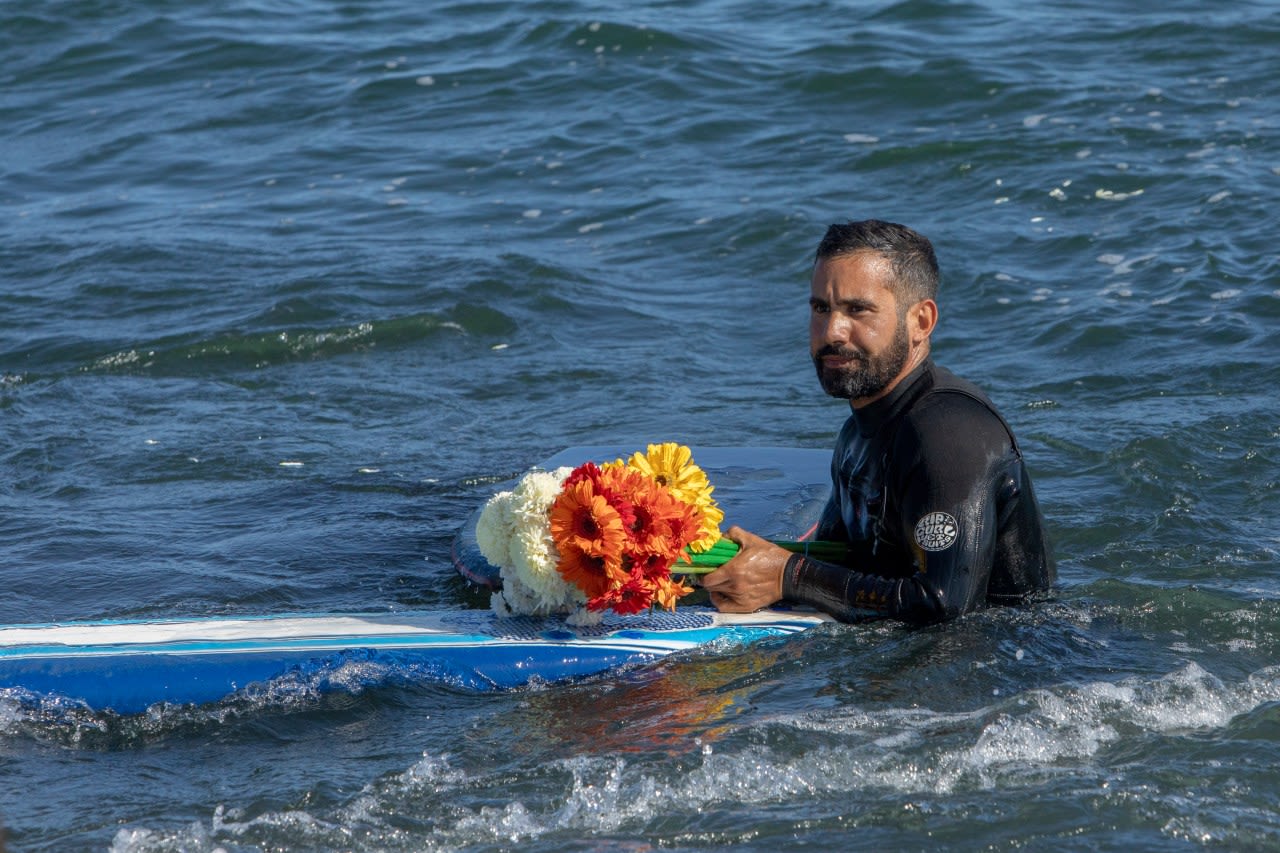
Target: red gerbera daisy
(651, 566)
(634, 596)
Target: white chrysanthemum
(518, 533)
(534, 558)
(584, 618)
(515, 599)
(533, 564)
(531, 505)
(500, 606)
(535, 493)
(494, 529)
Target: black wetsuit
(932, 495)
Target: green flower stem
(724, 550)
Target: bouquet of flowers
(600, 537)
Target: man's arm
(938, 545)
(763, 574)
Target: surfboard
(130, 666)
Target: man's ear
(921, 318)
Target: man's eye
(819, 308)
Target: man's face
(857, 335)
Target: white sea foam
(1035, 732)
(1111, 195)
(120, 359)
(912, 751)
(1131, 263)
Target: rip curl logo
(936, 531)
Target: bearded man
(929, 488)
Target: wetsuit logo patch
(936, 531)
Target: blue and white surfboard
(129, 666)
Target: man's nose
(835, 328)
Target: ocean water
(288, 286)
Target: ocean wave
(257, 351)
(924, 762)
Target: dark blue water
(287, 286)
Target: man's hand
(752, 579)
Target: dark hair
(910, 253)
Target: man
(929, 486)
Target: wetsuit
(930, 492)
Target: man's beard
(868, 375)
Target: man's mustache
(840, 352)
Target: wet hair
(910, 254)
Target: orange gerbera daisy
(671, 465)
(684, 521)
(619, 481)
(584, 520)
(651, 531)
(594, 575)
(668, 591)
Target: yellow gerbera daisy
(672, 466)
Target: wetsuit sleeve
(936, 544)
